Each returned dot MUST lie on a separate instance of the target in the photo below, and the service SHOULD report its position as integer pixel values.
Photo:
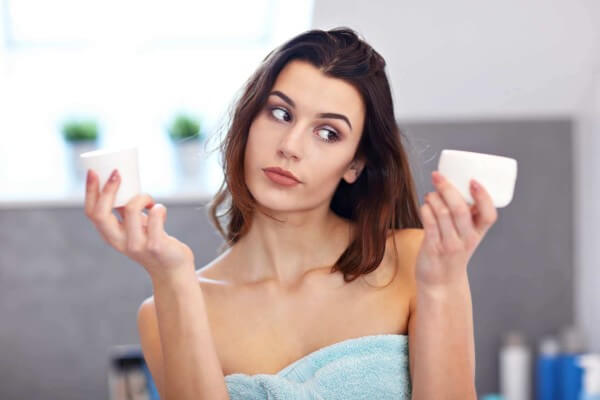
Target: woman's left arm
(441, 345)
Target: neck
(282, 253)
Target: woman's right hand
(139, 236)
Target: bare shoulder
(409, 234)
(396, 268)
(410, 240)
(407, 242)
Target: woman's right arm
(173, 325)
(177, 341)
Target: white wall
(470, 59)
(587, 208)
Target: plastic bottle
(515, 368)
(546, 371)
(570, 373)
(591, 376)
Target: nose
(292, 142)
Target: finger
(443, 217)
(121, 212)
(156, 225)
(473, 209)
(105, 220)
(486, 211)
(457, 205)
(432, 234)
(91, 192)
(133, 217)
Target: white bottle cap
(514, 338)
(104, 161)
(549, 346)
(497, 174)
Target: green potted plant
(187, 138)
(184, 128)
(81, 135)
(80, 130)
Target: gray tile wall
(66, 297)
(522, 273)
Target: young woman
(327, 252)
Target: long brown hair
(382, 198)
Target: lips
(281, 177)
(283, 172)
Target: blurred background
(515, 78)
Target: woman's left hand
(453, 230)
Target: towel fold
(367, 367)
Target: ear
(354, 170)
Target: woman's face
(310, 126)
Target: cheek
(327, 173)
(260, 136)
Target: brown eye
(280, 114)
(328, 135)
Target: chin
(270, 200)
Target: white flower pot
(189, 158)
(76, 166)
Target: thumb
(156, 222)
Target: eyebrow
(321, 115)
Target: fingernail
(475, 186)
(114, 176)
(88, 178)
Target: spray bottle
(515, 368)
(569, 371)
(591, 376)
(546, 371)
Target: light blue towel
(367, 367)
